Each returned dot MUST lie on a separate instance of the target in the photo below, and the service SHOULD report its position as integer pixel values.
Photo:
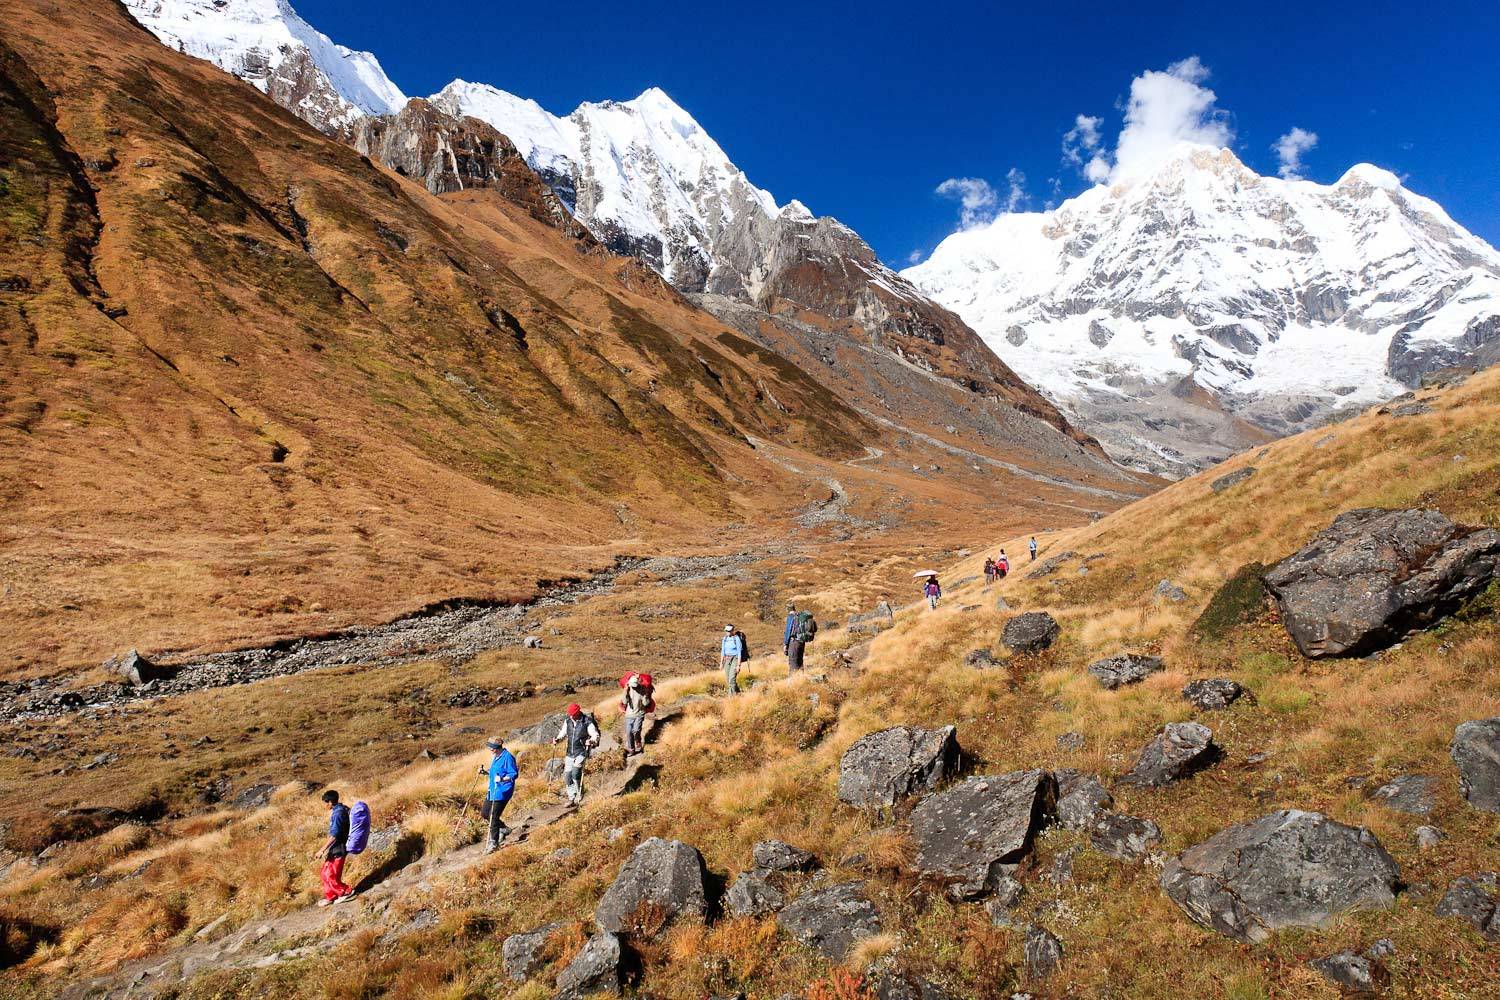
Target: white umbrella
(923, 572)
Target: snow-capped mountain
(1168, 312)
(267, 44)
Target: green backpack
(806, 627)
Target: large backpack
(359, 828)
(807, 627)
(744, 647)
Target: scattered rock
(1044, 952)
(893, 985)
(980, 659)
(1476, 753)
(1178, 751)
(1375, 575)
(1413, 409)
(891, 763)
(1127, 838)
(975, 832)
(1428, 836)
(667, 874)
(1051, 564)
(1070, 741)
(777, 856)
(540, 734)
(254, 796)
(1124, 668)
(1356, 973)
(595, 969)
(1476, 900)
(1166, 590)
(1410, 793)
(1030, 632)
(521, 952)
(136, 670)
(1234, 478)
(831, 920)
(1287, 869)
(753, 895)
(1080, 798)
(1212, 694)
(532, 642)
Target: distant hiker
(801, 627)
(1002, 566)
(731, 652)
(989, 571)
(786, 633)
(933, 590)
(502, 773)
(579, 734)
(636, 703)
(333, 852)
(1033, 548)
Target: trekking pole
(467, 796)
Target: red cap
(573, 710)
(646, 679)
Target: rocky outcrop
(1408, 793)
(753, 894)
(521, 952)
(667, 875)
(893, 763)
(595, 969)
(1231, 479)
(976, 832)
(1476, 754)
(137, 671)
(1043, 952)
(1212, 694)
(1124, 668)
(540, 734)
(1474, 899)
(1031, 632)
(1080, 798)
(1126, 838)
(778, 856)
(1375, 575)
(1287, 869)
(1178, 751)
(832, 920)
(1361, 975)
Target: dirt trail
(313, 929)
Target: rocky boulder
(595, 969)
(1375, 575)
(979, 659)
(1127, 838)
(1031, 632)
(135, 670)
(1474, 899)
(1476, 753)
(1409, 793)
(831, 920)
(892, 763)
(892, 985)
(1234, 478)
(1178, 751)
(777, 856)
(1287, 869)
(666, 874)
(972, 834)
(522, 952)
(1361, 975)
(540, 734)
(1125, 668)
(1212, 694)
(753, 895)
(1043, 952)
(1080, 798)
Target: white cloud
(1083, 148)
(1017, 198)
(977, 200)
(913, 258)
(1290, 149)
(1165, 108)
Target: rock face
(753, 895)
(892, 763)
(1127, 838)
(1179, 750)
(1476, 753)
(1375, 575)
(1031, 632)
(1080, 798)
(596, 969)
(1212, 694)
(974, 833)
(777, 856)
(1474, 899)
(1409, 793)
(1044, 952)
(832, 920)
(521, 951)
(136, 670)
(664, 873)
(540, 734)
(1126, 668)
(1287, 869)
(1230, 479)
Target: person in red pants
(333, 852)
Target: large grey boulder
(595, 969)
(1409, 793)
(831, 920)
(1287, 869)
(778, 856)
(1080, 798)
(1358, 974)
(522, 952)
(1476, 753)
(1126, 838)
(135, 670)
(666, 874)
(1375, 575)
(1474, 899)
(1031, 632)
(972, 834)
(540, 734)
(1212, 694)
(1179, 750)
(892, 763)
(753, 895)
(1125, 668)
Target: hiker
(1033, 548)
(636, 703)
(731, 652)
(800, 631)
(933, 590)
(1002, 566)
(580, 734)
(786, 634)
(333, 852)
(502, 773)
(989, 571)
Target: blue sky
(863, 110)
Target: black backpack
(744, 647)
(807, 627)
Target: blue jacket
(503, 776)
(731, 646)
(791, 625)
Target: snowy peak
(267, 44)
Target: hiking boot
(491, 848)
(346, 897)
(325, 902)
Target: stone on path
(1287, 869)
(1126, 838)
(1031, 632)
(831, 920)
(1178, 751)
(667, 874)
(1080, 798)
(972, 834)
(1212, 694)
(892, 763)
(1474, 899)
(1125, 668)
(522, 952)
(1409, 793)
(1044, 952)
(1375, 575)
(595, 969)
(1476, 754)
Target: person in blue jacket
(502, 773)
(787, 633)
(731, 652)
